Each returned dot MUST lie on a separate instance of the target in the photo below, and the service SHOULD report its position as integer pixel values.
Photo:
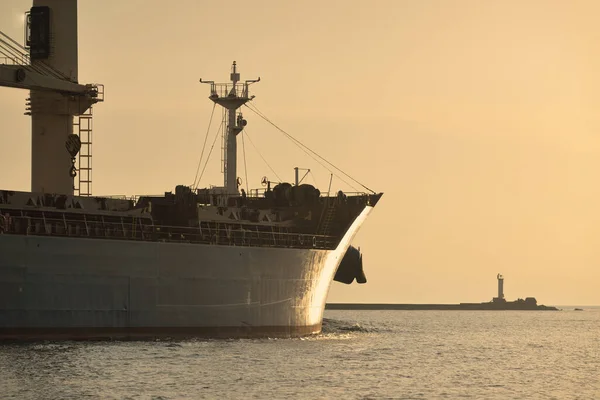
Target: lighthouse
(500, 297)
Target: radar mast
(231, 96)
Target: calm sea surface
(361, 354)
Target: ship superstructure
(216, 261)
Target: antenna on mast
(231, 96)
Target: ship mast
(231, 96)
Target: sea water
(359, 355)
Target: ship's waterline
(60, 288)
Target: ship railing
(96, 90)
(142, 229)
(256, 193)
(134, 198)
(252, 193)
(334, 194)
(227, 89)
(260, 192)
(13, 60)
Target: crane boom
(18, 76)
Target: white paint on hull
(332, 262)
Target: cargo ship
(195, 262)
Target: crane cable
(308, 151)
(257, 111)
(209, 153)
(300, 144)
(261, 156)
(196, 180)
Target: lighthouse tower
(500, 297)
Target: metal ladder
(82, 126)
(224, 142)
(328, 217)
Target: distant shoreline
(440, 307)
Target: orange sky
(478, 119)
